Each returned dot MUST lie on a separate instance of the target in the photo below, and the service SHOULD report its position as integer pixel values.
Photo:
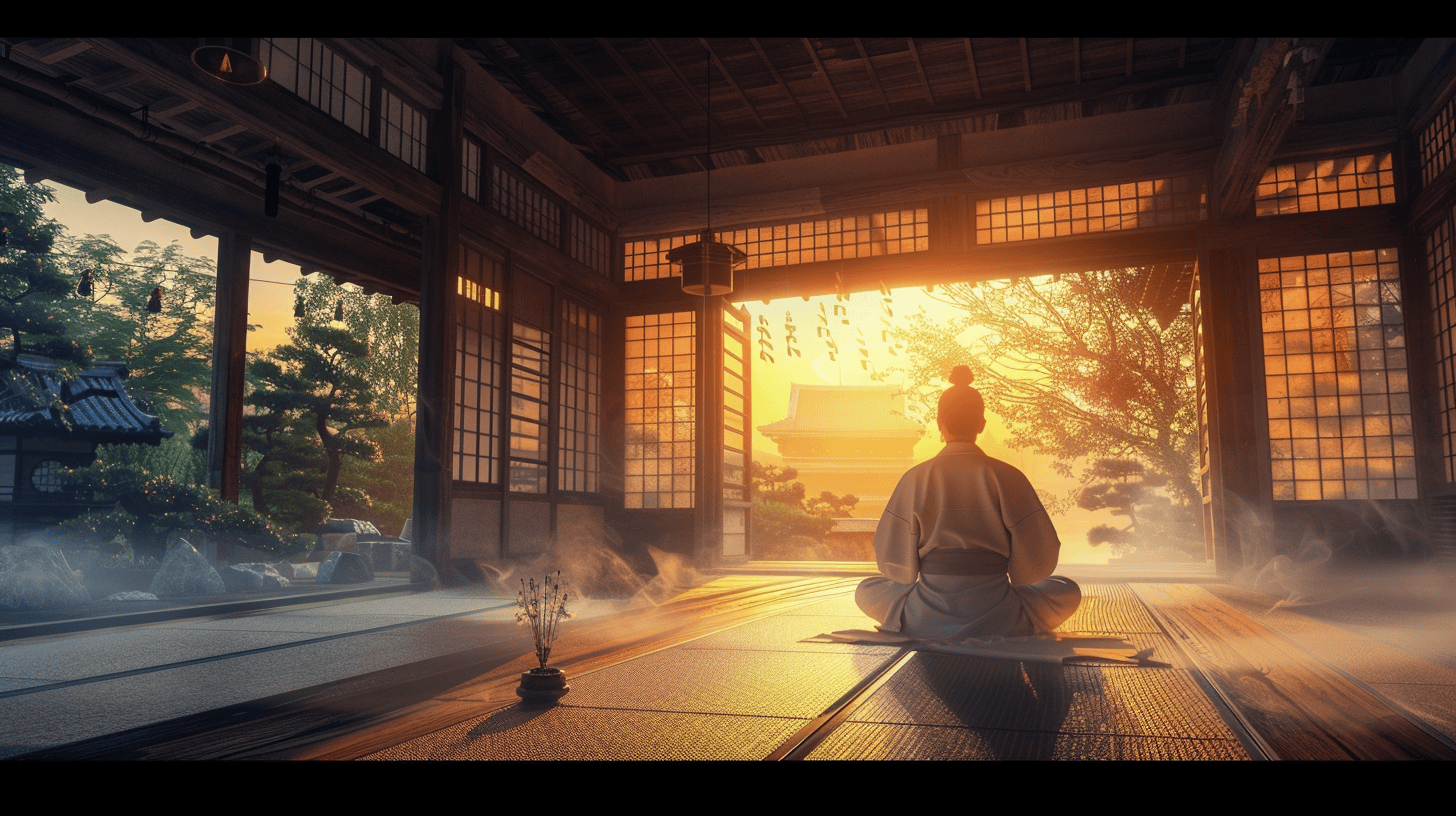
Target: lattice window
(1335, 375)
(1442, 270)
(403, 130)
(325, 80)
(1090, 209)
(1438, 143)
(661, 410)
(530, 407)
(526, 206)
(477, 369)
(580, 394)
(589, 245)
(830, 239)
(735, 409)
(470, 157)
(1327, 184)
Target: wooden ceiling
(641, 107)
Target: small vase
(542, 686)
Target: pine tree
(33, 287)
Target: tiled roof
(94, 405)
(861, 410)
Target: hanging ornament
(85, 288)
(339, 312)
(154, 305)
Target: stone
(339, 542)
(362, 529)
(297, 572)
(423, 572)
(185, 572)
(252, 578)
(344, 568)
(386, 555)
(131, 596)
(36, 576)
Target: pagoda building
(853, 439)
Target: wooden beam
(783, 85)
(277, 115)
(1260, 114)
(728, 76)
(1058, 95)
(189, 190)
(824, 74)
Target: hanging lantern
(339, 312)
(297, 306)
(230, 65)
(154, 305)
(707, 265)
(85, 288)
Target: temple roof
(36, 400)
(845, 410)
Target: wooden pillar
(229, 349)
(708, 535)
(435, 420)
(1237, 449)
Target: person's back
(965, 548)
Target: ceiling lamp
(230, 65)
(707, 265)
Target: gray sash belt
(963, 562)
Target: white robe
(964, 499)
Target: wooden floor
(728, 670)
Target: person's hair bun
(961, 375)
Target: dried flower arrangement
(542, 607)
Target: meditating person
(965, 547)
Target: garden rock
(252, 578)
(387, 556)
(185, 572)
(423, 572)
(297, 572)
(36, 576)
(131, 596)
(339, 542)
(344, 568)
(362, 529)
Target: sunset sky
(271, 307)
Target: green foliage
(33, 287)
(1155, 526)
(383, 488)
(311, 403)
(169, 353)
(1073, 365)
(390, 331)
(149, 507)
(786, 526)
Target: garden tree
(1073, 365)
(390, 331)
(309, 412)
(169, 352)
(1128, 489)
(33, 287)
(383, 488)
(785, 525)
